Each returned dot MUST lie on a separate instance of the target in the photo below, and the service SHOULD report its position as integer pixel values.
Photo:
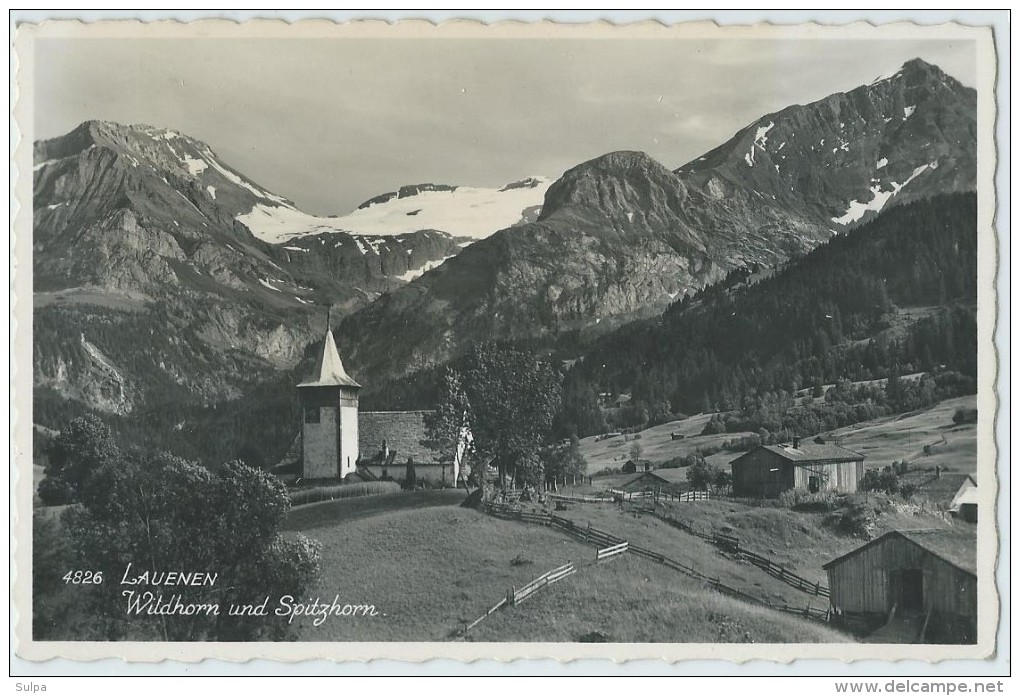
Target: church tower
(329, 417)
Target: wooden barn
(920, 583)
(965, 505)
(768, 471)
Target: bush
(857, 516)
(886, 480)
(714, 426)
(54, 490)
(304, 496)
(701, 475)
(83, 446)
(810, 502)
(965, 415)
(907, 490)
(410, 477)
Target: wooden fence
(610, 551)
(515, 596)
(579, 498)
(519, 595)
(731, 544)
(597, 537)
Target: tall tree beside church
(447, 426)
(514, 397)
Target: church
(337, 440)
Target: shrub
(810, 502)
(702, 475)
(965, 415)
(54, 490)
(886, 480)
(83, 446)
(907, 490)
(339, 491)
(410, 477)
(857, 515)
(714, 426)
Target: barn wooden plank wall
(863, 582)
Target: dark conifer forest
(895, 297)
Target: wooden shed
(924, 579)
(767, 471)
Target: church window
(312, 414)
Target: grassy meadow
(882, 441)
(432, 571)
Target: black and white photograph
(444, 336)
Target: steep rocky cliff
(138, 231)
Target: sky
(329, 123)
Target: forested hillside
(835, 314)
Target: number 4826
(83, 577)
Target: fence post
(816, 589)
(587, 534)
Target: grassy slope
(649, 532)
(431, 571)
(798, 540)
(904, 437)
(881, 440)
(656, 444)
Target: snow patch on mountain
(195, 166)
(761, 135)
(418, 272)
(466, 211)
(858, 209)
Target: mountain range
(164, 276)
(622, 236)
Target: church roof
(329, 370)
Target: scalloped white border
(21, 391)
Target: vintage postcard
(411, 341)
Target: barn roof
(957, 548)
(968, 497)
(943, 488)
(814, 452)
(329, 369)
(402, 431)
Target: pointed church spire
(329, 370)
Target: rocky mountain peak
(617, 185)
(840, 160)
